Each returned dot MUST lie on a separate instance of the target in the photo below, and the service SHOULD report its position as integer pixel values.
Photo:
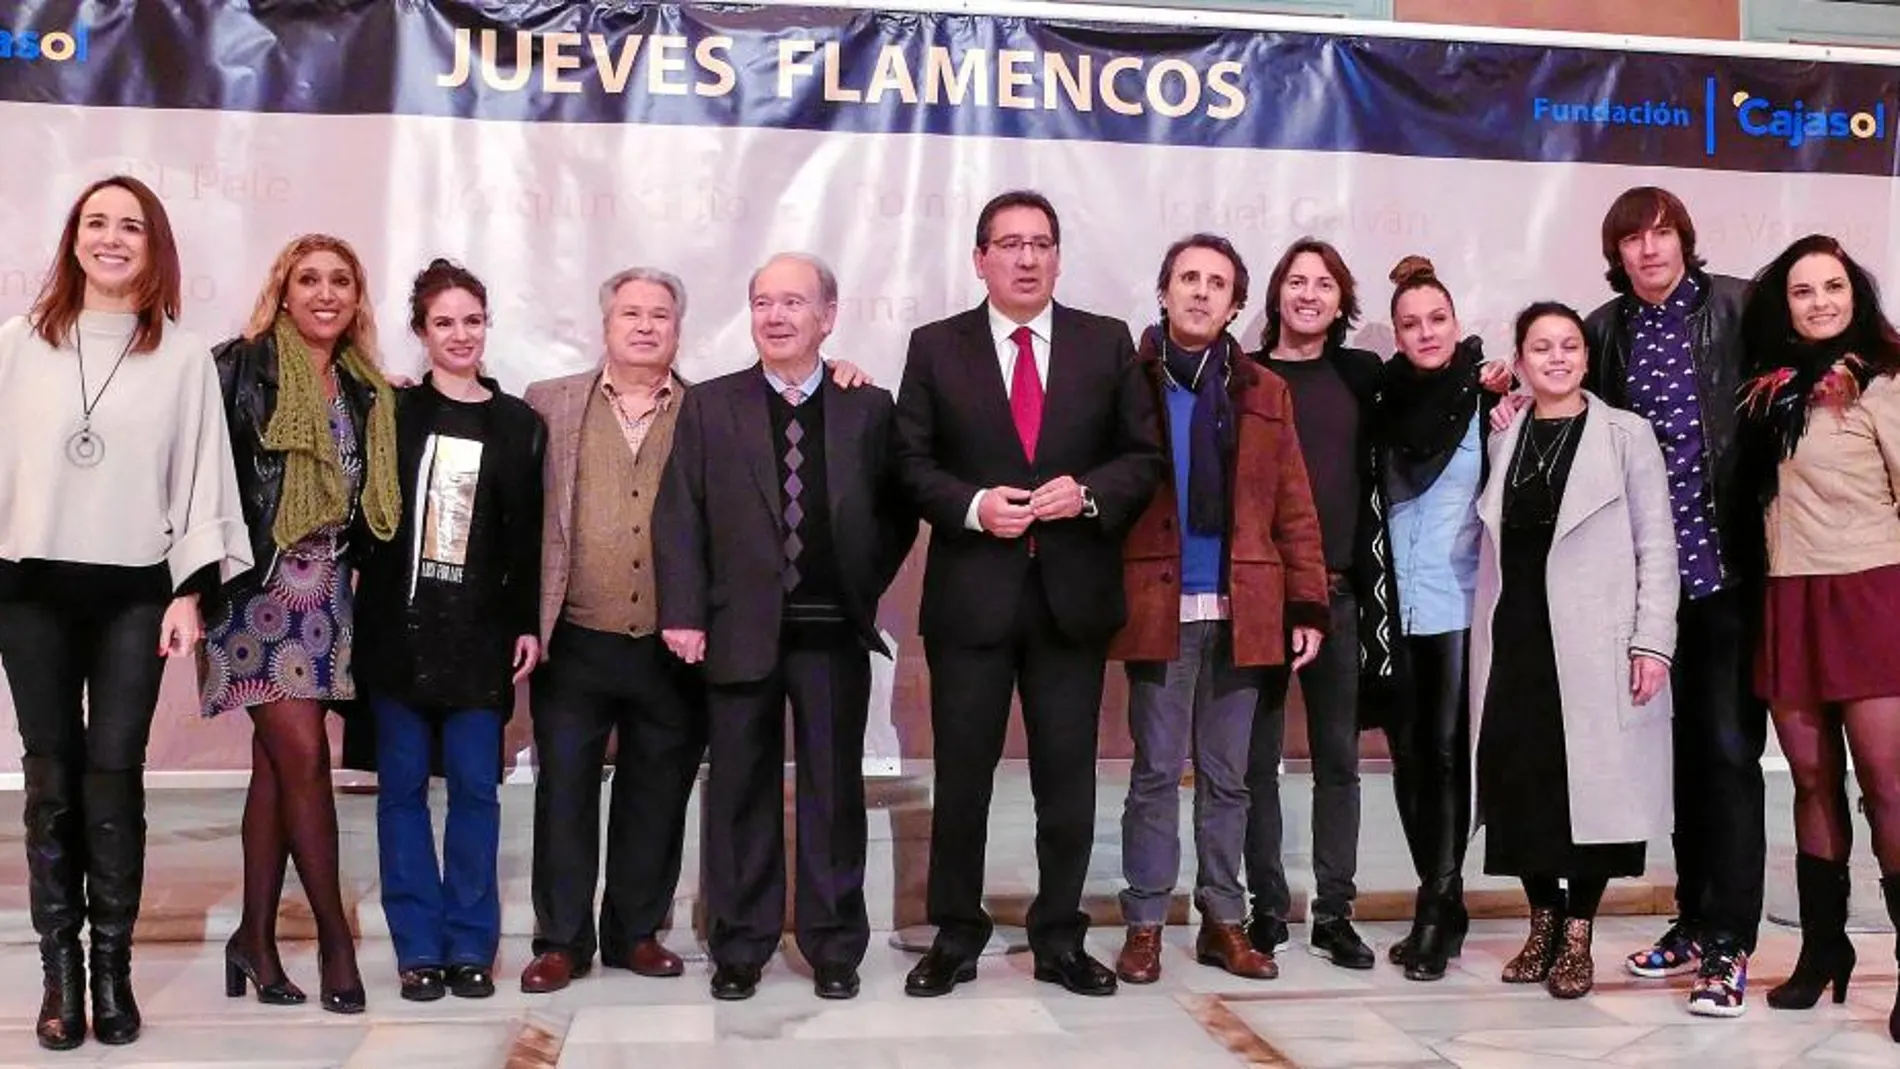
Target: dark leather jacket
(247, 374)
(1716, 347)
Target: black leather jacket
(1716, 348)
(247, 374)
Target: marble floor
(1314, 1016)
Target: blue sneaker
(1676, 952)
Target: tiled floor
(1314, 1016)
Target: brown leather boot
(1226, 946)
(1140, 959)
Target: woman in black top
(447, 627)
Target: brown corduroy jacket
(1276, 571)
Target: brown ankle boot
(1532, 963)
(1225, 946)
(1574, 973)
(1140, 959)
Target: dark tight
(1817, 741)
(1431, 774)
(290, 812)
(1579, 900)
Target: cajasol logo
(1794, 123)
(35, 46)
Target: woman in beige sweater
(118, 512)
(1821, 448)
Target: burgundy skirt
(1829, 638)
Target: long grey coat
(1613, 586)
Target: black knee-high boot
(115, 840)
(56, 874)
(1827, 955)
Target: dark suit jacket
(718, 530)
(955, 437)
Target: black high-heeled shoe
(239, 969)
(342, 1000)
(1440, 938)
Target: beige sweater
(1837, 506)
(165, 490)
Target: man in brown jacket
(610, 430)
(1224, 561)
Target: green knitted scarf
(316, 493)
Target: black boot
(115, 840)
(1441, 928)
(1890, 889)
(56, 871)
(1827, 955)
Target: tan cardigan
(165, 491)
(1837, 507)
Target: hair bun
(441, 263)
(1413, 268)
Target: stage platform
(1315, 1015)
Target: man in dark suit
(779, 525)
(1028, 502)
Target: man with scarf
(1224, 561)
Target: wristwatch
(1089, 508)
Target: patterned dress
(291, 638)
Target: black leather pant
(1431, 763)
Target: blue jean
(450, 915)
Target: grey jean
(1203, 699)
(1330, 685)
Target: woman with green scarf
(313, 433)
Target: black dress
(1523, 782)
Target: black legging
(1579, 900)
(1431, 764)
(1817, 741)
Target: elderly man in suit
(1028, 502)
(780, 524)
(610, 430)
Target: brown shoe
(1532, 963)
(1140, 959)
(649, 957)
(551, 971)
(1574, 972)
(1225, 946)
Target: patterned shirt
(1662, 389)
(634, 427)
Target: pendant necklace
(85, 448)
(1546, 459)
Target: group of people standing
(1567, 607)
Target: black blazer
(718, 525)
(955, 437)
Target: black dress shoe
(735, 983)
(471, 981)
(939, 973)
(835, 981)
(423, 984)
(1076, 971)
(1335, 941)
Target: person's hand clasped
(1058, 499)
(1005, 511)
(1647, 676)
(687, 644)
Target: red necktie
(1025, 394)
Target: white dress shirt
(1001, 327)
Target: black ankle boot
(1890, 889)
(115, 840)
(1441, 930)
(1827, 955)
(55, 863)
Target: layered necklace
(1535, 461)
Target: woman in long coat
(1574, 625)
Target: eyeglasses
(1012, 245)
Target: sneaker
(1334, 940)
(1268, 934)
(1721, 985)
(1676, 952)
